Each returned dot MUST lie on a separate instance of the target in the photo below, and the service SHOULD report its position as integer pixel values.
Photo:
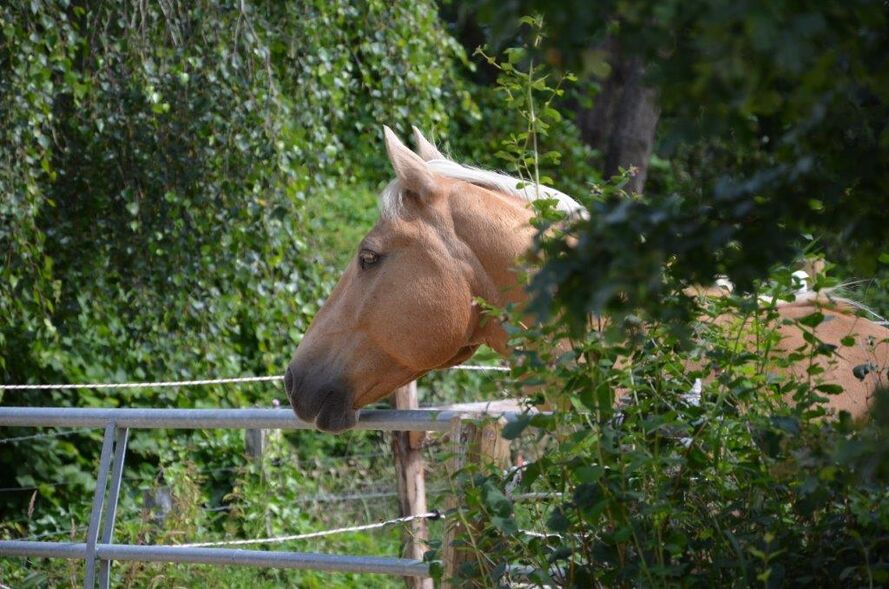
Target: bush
(154, 179)
(672, 456)
(666, 487)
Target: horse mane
(830, 299)
(391, 198)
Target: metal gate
(99, 551)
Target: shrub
(672, 456)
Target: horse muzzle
(327, 403)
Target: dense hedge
(155, 166)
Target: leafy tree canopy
(775, 120)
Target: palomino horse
(446, 235)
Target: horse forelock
(392, 197)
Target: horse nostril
(288, 382)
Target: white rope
(139, 385)
(471, 367)
(428, 515)
(189, 383)
(543, 535)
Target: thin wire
(67, 532)
(275, 539)
(534, 534)
(55, 533)
(192, 383)
(39, 436)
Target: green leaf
(513, 429)
(813, 319)
(557, 522)
(507, 525)
(589, 474)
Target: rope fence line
(56, 533)
(140, 385)
(40, 436)
(480, 368)
(432, 515)
(194, 383)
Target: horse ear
(409, 167)
(425, 148)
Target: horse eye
(367, 258)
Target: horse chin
(335, 420)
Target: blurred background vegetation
(181, 183)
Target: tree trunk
(623, 119)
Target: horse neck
(496, 228)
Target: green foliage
(773, 126)
(540, 145)
(181, 184)
(667, 489)
(279, 498)
(672, 456)
(154, 178)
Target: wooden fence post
(254, 444)
(471, 443)
(410, 471)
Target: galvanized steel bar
(402, 567)
(383, 420)
(290, 560)
(120, 453)
(30, 548)
(92, 534)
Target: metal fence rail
(99, 551)
(402, 567)
(414, 420)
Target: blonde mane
(831, 298)
(391, 198)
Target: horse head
(405, 304)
